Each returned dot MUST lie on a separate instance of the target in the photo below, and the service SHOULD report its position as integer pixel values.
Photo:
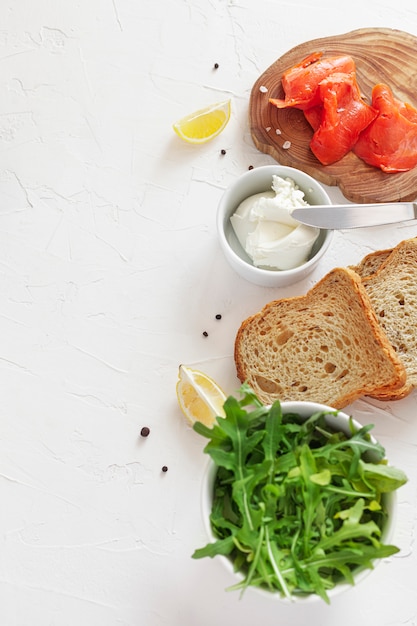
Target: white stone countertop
(110, 272)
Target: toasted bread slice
(326, 346)
(392, 291)
(371, 263)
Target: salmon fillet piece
(390, 141)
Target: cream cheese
(266, 230)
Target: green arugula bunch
(297, 507)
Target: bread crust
(326, 346)
(371, 263)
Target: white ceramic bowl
(339, 422)
(256, 181)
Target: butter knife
(339, 216)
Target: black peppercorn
(145, 431)
(216, 66)
(223, 151)
(205, 334)
(218, 316)
(164, 468)
(250, 167)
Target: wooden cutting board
(381, 55)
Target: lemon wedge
(199, 397)
(204, 124)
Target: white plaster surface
(109, 273)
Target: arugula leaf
(382, 477)
(297, 507)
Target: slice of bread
(371, 263)
(326, 346)
(392, 291)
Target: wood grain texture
(381, 55)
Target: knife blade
(340, 216)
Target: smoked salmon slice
(390, 142)
(301, 82)
(313, 116)
(344, 115)
(383, 134)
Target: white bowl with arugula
(298, 498)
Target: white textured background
(109, 273)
